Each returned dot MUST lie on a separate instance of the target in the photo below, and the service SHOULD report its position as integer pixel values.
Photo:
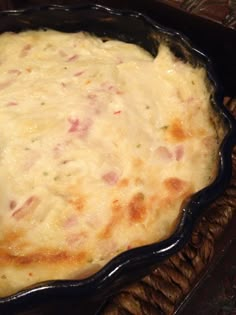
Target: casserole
(98, 20)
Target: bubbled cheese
(100, 143)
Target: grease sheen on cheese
(100, 143)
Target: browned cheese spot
(11, 236)
(15, 240)
(115, 219)
(177, 131)
(77, 203)
(124, 182)
(176, 189)
(175, 185)
(42, 256)
(137, 208)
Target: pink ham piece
(164, 153)
(25, 50)
(70, 222)
(29, 205)
(111, 178)
(72, 58)
(76, 238)
(74, 124)
(12, 103)
(14, 71)
(79, 73)
(80, 128)
(84, 128)
(5, 84)
(179, 152)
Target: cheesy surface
(100, 143)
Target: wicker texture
(162, 291)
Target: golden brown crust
(137, 208)
(177, 131)
(43, 257)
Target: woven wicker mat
(162, 291)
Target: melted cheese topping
(100, 143)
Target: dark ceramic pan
(132, 264)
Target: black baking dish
(136, 28)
